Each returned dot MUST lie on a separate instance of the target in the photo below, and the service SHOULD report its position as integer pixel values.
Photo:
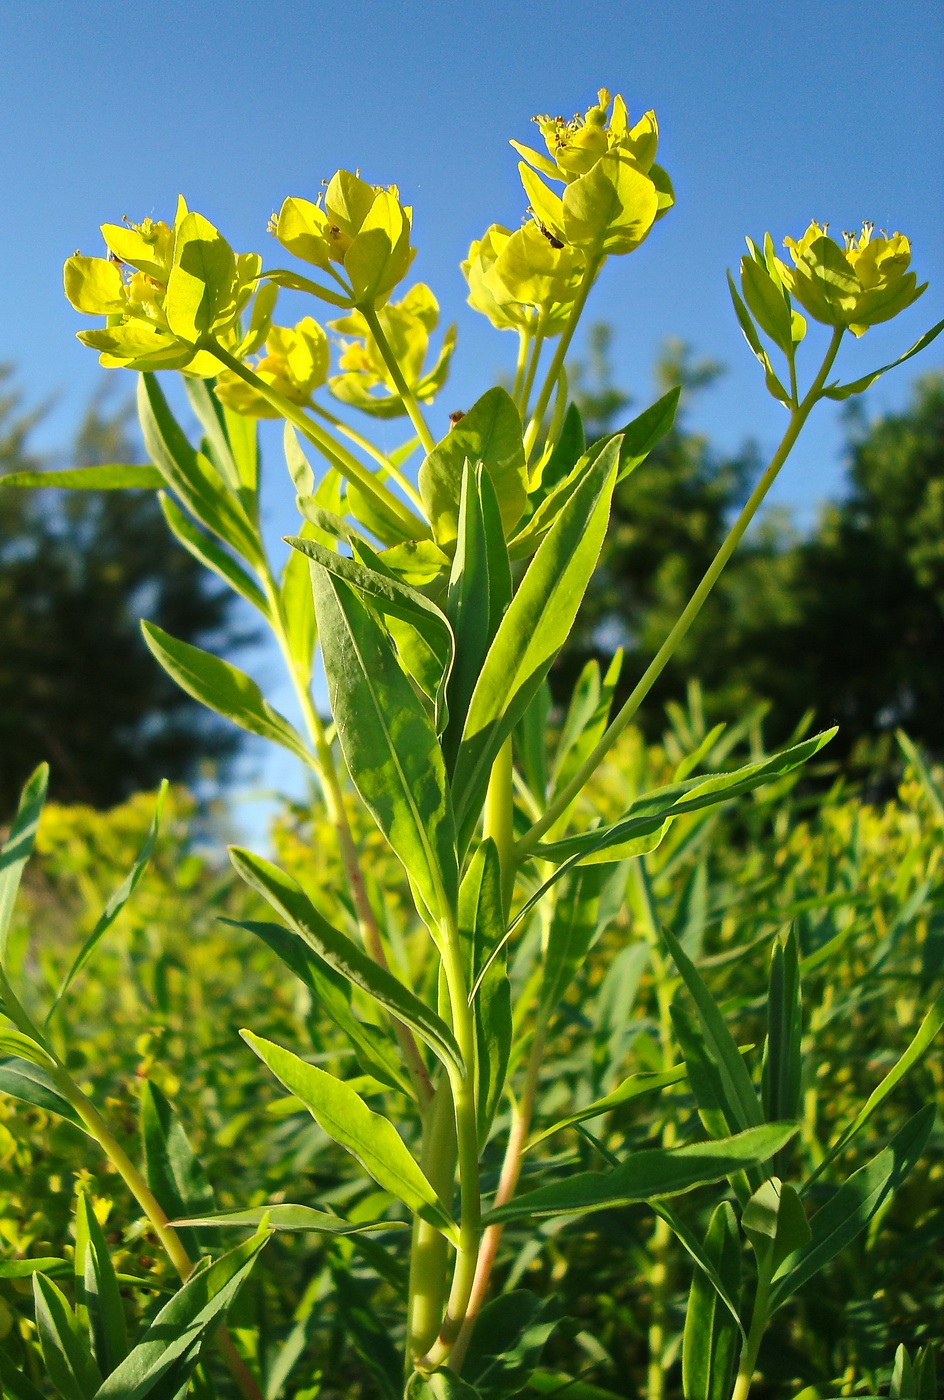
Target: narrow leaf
(110, 478)
(18, 847)
(171, 1166)
(223, 688)
(288, 1217)
(345, 1117)
(97, 1289)
(710, 1342)
(204, 548)
(69, 1362)
(33, 1085)
(632, 1088)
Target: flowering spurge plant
(439, 604)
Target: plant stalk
(655, 668)
(751, 1347)
(407, 396)
(550, 380)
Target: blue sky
(770, 116)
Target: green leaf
(781, 1083)
(774, 386)
(290, 901)
(740, 1098)
(18, 847)
(25, 1268)
(650, 1174)
(426, 645)
(288, 1217)
(15, 1385)
(205, 549)
(190, 476)
(170, 1348)
(567, 451)
(298, 608)
(368, 1136)
(69, 1362)
(210, 417)
(14, 1042)
(767, 303)
(775, 1222)
(844, 391)
(482, 930)
(704, 1261)
(531, 633)
(848, 1212)
(478, 594)
(388, 742)
(710, 1341)
(171, 1167)
(30, 1084)
(641, 435)
(374, 1051)
(489, 433)
(110, 478)
(925, 1035)
(117, 901)
(223, 688)
(97, 1289)
(632, 1088)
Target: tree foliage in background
(77, 683)
(847, 621)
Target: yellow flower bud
(295, 364)
(854, 287)
(407, 326)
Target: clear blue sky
(770, 116)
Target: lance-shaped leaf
(481, 930)
(18, 847)
(849, 1211)
(164, 1359)
(649, 1175)
(375, 1054)
(749, 331)
(781, 1083)
(117, 901)
(368, 1136)
(478, 594)
(858, 386)
(645, 432)
(113, 477)
(173, 1170)
(190, 476)
(33, 1085)
(925, 1035)
(288, 1217)
(705, 1262)
(223, 688)
(388, 742)
(632, 1088)
(97, 1289)
(531, 633)
(489, 433)
(67, 1355)
(710, 1342)
(428, 653)
(17, 1043)
(775, 1222)
(204, 548)
(343, 955)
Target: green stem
(580, 300)
(751, 1346)
(372, 450)
(655, 668)
(467, 1137)
(409, 399)
(537, 347)
(324, 767)
(524, 345)
(429, 1249)
(336, 453)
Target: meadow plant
(439, 603)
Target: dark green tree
(77, 570)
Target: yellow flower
(362, 228)
(515, 278)
(164, 289)
(614, 191)
(854, 287)
(295, 364)
(407, 325)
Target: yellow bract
(517, 278)
(853, 287)
(362, 228)
(295, 364)
(183, 284)
(614, 191)
(407, 326)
